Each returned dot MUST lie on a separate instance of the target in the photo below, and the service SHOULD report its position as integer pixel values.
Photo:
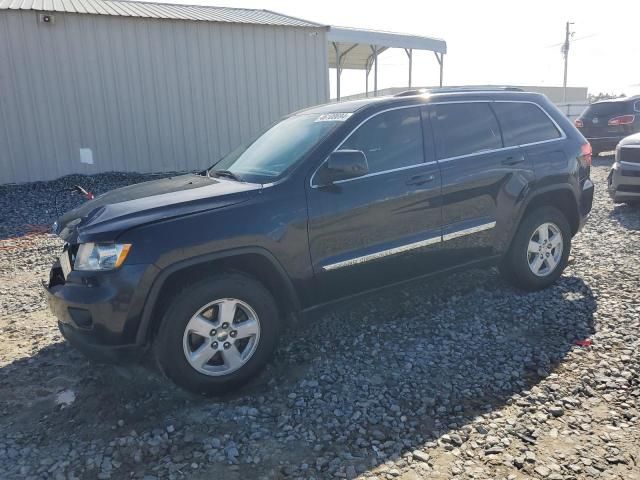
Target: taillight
(586, 154)
(622, 120)
(579, 123)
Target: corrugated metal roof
(159, 10)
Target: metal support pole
(440, 59)
(409, 53)
(366, 78)
(366, 84)
(336, 47)
(375, 70)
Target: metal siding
(10, 129)
(144, 95)
(282, 69)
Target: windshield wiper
(226, 174)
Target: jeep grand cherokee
(332, 201)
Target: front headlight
(101, 256)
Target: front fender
(153, 296)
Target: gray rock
(556, 411)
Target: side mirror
(345, 164)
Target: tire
(214, 299)
(516, 268)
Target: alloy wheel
(545, 249)
(221, 337)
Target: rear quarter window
(524, 123)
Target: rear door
(385, 226)
(527, 126)
(480, 178)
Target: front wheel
(217, 334)
(539, 251)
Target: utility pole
(565, 52)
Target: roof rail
(410, 93)
(461, 88)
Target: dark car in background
(607, 122)
(330, 202)
(624, 177)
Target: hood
(631, 140)
(113, 212)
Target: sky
(489, 42)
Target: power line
(573, 40)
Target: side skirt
(485, 262)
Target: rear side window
(464, 128)
(524, 123)
(636, 106)
(390, 140)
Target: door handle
(513, 160)
(421, 179)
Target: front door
(382, 227)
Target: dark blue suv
(330, 202)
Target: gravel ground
(463, 377)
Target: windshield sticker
(333, 117)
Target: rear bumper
(586, 202)
(623, 182)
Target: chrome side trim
(383, 172)
(408, 247)
(629, 145)
(468, 231)
(383, 253)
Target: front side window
(524, 123)
(389, 140)
(464, 129)
(278, 148)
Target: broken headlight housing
(101, 256)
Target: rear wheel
(539, 251)
(217, 334)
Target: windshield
(276, 150)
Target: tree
(603, 96)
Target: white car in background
(624, 177)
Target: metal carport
(357, 49)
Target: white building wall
(144, 95)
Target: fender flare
(531, 196)
(166, 272)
